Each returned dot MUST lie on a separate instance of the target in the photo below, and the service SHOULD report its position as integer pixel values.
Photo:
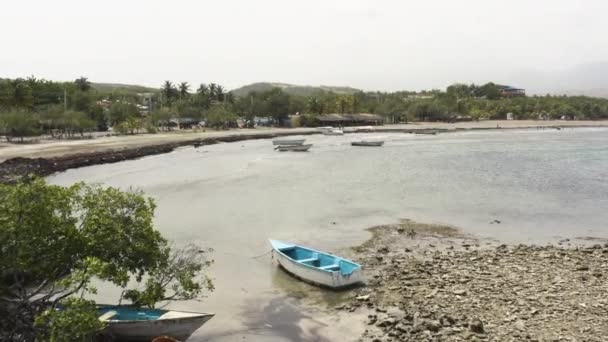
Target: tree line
(31, 106)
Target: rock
(432, 325)
(476, 326)
(583, 268)
(460, 292)
(362, 298)
(520, 325)
(383, 250)
(387, 322)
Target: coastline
(50, 156)
(432, 282)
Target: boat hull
(294, 148)
(336, 132)
(316, 276)
(367, 143)
(293, 142)
(175, 324)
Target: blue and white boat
(316, 267)
(127, 323)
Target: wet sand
(235, 196)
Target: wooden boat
(316, 267)
(364, 129)
(325, 128)
(285, 142)
(127, 323)
(367, 143)
(294, 148)
(334, 132)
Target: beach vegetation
(59, 242)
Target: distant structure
(350, 119)
(146, 103)
(508, 91)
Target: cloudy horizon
(371, 45)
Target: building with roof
(508, 91)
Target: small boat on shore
(367, 143)
(428, 131)
(127, 323)
(288, 142)
(334, 132)
(316, 267)
(294, 148)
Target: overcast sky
(375, 44)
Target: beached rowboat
(334, 132)
(127, 323)
(367, 143)
(316, 267)
(285, 142)
(294, 148)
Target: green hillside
(292, 89)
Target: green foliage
(19, 124)
(120, 112)
(219, 117)
(77, 321)
(56, 239)
(169, 93)
(178, 278)
(309, 120)
(82, 84)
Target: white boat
(364, 129)
(286, 142)
(316, 267)
(367, 143)
(325, 128)
(334, 131)
(126, 323)
(294, 148)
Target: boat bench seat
(330, 267)
(304, 261)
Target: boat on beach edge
(316, 267)
(131, 324)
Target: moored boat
(288, 142)
(367, 143)
(294, 148)
(334, 132)
(127, 323)
(316, 267)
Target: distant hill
(292, 89)
(131, 88)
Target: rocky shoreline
(431, 283)
(14, 169)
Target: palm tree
(219, 93)
(212, 90)
(184, 89)
(168, 92)
(203, 90)
(82, 83)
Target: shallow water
(542, 185)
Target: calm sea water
(542, 185)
